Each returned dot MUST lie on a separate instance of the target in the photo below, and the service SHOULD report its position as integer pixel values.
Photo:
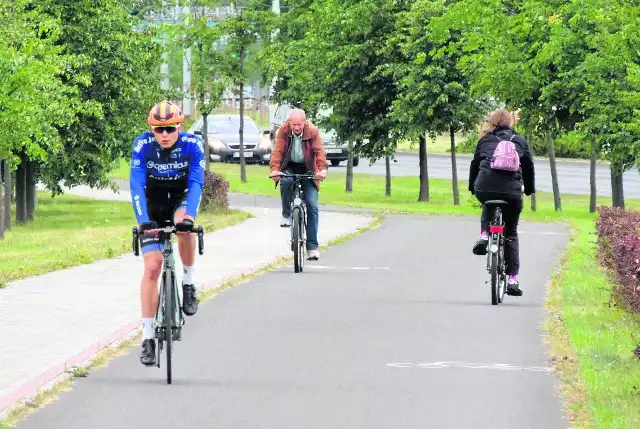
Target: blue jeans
(311, 198)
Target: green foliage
(123, 66)
(207, 74)
(433, 95)
(76, 83)
(331, 55)
(34, 102)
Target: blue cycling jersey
(158, 174)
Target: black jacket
(483, 178)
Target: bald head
(297, 118)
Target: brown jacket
(312, 147)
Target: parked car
(336, 151)
(224, 140)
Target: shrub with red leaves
(215, 192)
(619, 243)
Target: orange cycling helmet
(164, 113)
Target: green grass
(68, 231)
(442, 144)
(122, 172)
(592, 341)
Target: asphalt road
(352, 342)
(573, 177)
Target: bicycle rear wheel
(494, 279)
(169, 309)
(296, 240)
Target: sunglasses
(169, 130)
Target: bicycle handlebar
(295, 176)
(301, 176)
(168, 230)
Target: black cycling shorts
(162, 213)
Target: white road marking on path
(495, 366)
(326, 267)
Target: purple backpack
(506, 156)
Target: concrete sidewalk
(55, 321)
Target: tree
(531, 69)
(36, 97)
(240, 32)
(208, 79)
(117, 81)
(332, 57)
(433, 95)
(610, 71)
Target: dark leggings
(510, 216)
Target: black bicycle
(298, 219)
(495, 252)
(168, 316)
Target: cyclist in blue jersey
(167, 176)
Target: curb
(60, 369)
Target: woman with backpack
(501, 167)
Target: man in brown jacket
(298, 149)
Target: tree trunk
(592, 177)
(387, 164)
(554, 173)
(30, 191)
(424, 172)
(617, 191)
(614, 187)
(349, 184)
(7, 195)
(534, 204)
(243, 168)
(205, 113)
(2, 167)
(21, 192)
(454, 168)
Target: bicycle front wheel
(296, 240)
(169, 308)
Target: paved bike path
(393, 329)
(55, 321)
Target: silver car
(336, 151)
(224, 141)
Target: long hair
(497, 118)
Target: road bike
(168, 317)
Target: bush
(215, 193)
(566, 146)
(468, 144)
(619, 244)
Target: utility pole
(187, 108)
(275, 6)
(164, 68)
